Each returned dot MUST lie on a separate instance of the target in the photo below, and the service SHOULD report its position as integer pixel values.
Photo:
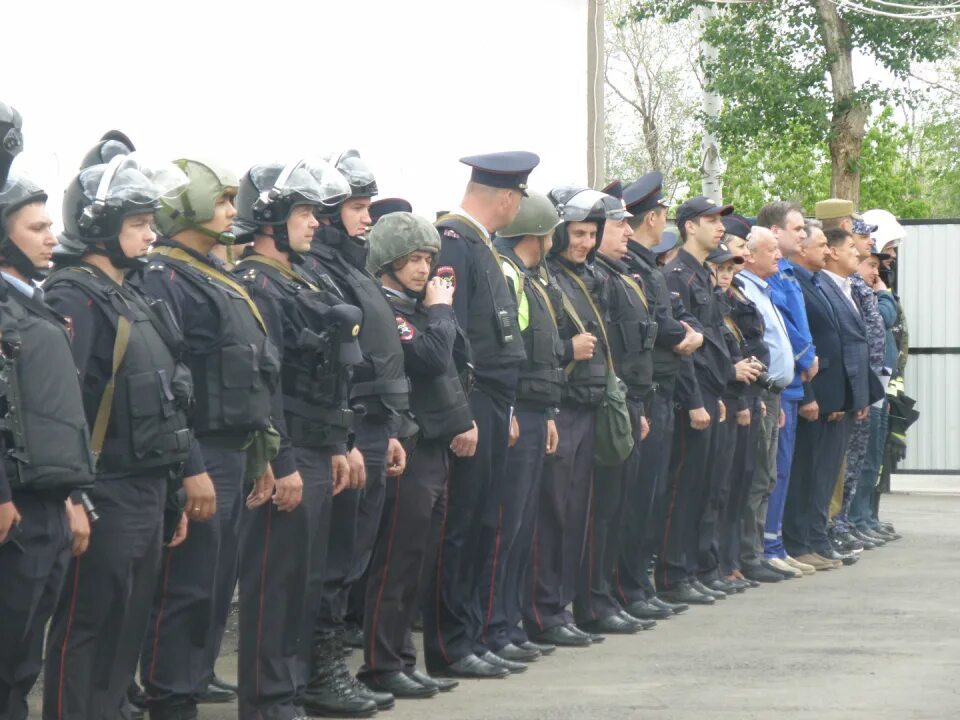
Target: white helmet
(888, 229)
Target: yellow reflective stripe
(512, 275)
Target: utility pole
(596, 169)
(711, 166)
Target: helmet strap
(15, 258)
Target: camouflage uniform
(866, 300)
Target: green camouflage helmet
(196, 205)
(395, 236)
(536, 216)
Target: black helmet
(112, 143)
(17, 193)
(268, 193)
(357, 172)
(11, 139)
(581, 204)
(98, 199)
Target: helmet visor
(130, 180)
(582, 205)
(334, 187)
(354, 169)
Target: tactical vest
(630, 329)
(666, 363)
(234, 377)
(541, 376)
(315, 384)
(492, 324)
(382, 377)
(46, 445)
(586, 379)
(152, 390)
(439, 403)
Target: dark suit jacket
(832, 388)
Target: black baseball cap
(699, 206)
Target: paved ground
(877, 641)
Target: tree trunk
(711, 166)
(596, 170)
(849, 115)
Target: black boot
(328, 693)
(173, 712)
(383, 700)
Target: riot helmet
(356, 171)
(112, 143)
(11, 139)
(197, 204)
(16, 194)
(580, 204)
(100, 197)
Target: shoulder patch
(450, 232)
(156, 266)
(406, 330)
(448, 275)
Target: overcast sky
(413, 85)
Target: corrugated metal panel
(934, 440)
(929, 267)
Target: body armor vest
(541, 376)
(234, 376)
(586, 379)
(630, 329)
(666, 363)
(46, 444)
(153, 391)
(382, 375)
(439, 403)
(315, 384)
(492, 325)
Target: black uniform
(380, 387)
(538, 398)
(43, 421)
(235, 370)
(747, 325)
(487, 312)
(436, 358)
(284, 552)
(94, 641)
(643, 534)
(568, 475)
(693, 450)
(632, 334)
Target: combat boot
(384, 700)
(328, 692)
(173, 712)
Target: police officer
(403, 248)
(136, 397)
(11, 139)
(565, 492)
(46, 446)
(697, 404)
(523, 246)
(288, 537)
(676, 338)
(632, 334)
(235, 368)
(337, 261)
(487, 312)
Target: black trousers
(281, 554)
(33, 565)
(515, 492)
(560, 531)
(451, 614)
(817, 459)
(614, 488)
(741, 477)
(413, 504)
(642, 532)
(719, 479)
(193, 595)
(689, 489)
(354, 523)
(94, 640)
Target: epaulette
(155, 266)
(450, 232)
(250, 274)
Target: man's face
(223, 213)
(765, 255)
(725, 273)
(31, 230)
(815, 251)
(706, 231)
(658, 220)
(844, 260)
(136, 235)
(301, 226)
(863, 244)
(616, 234)
(869, 269)
(415, 272)
(355, 216)
(792, 234)
(583, 238)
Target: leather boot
(328, 692)
(173, 712)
